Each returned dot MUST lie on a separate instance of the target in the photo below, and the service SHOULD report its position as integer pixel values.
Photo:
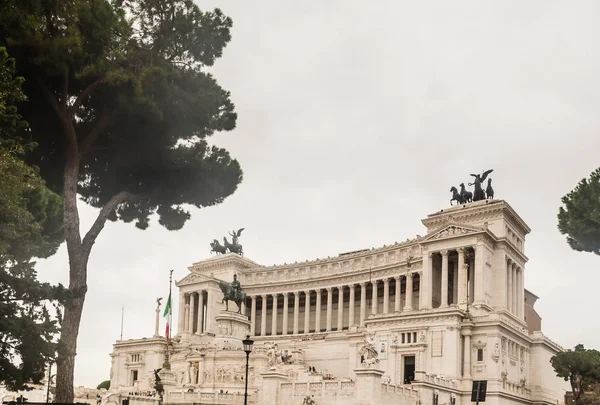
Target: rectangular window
(134, 376)
(409, 369)
(479, 354)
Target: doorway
(409, 369)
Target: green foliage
(580, 367)
(145, 104)
(30, 226)
(120, 105)
(579, 219)
(104, 384)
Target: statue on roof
(234, 246)
(479, 194)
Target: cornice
(515, 253)
(481, 209)
(334, 280)
(221, 260)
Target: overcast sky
(354, 121)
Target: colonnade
(515, 290)
(440, 292)
(196, 314)
(290, 322)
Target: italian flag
(168, 314)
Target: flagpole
(122, 315)
(167, 364)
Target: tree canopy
(121, 106)
(580, 367)
(579, 218)
(30, 226)
(104, 384)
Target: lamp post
(248, 349)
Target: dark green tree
(104, 384)
(579, 218)
(580, 367)
(30, 226)
(121, 105)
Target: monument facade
(412, 323)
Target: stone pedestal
(368, 386)
(231, 329)
(269, 392)
(167, 378)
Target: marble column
(181, 315)
(263, 316)
(296, 311)
(479, 293)
(318, 311)
(340, 319)
(192, 313)
(509, 289)
(187, 315)
(351, 305)
(374, 298)
(426, 283)
(274, 316)
(455, 283)
(200, 312)
(467, 354)
(514, 289)
(209, 315)
(398, 295)
(363, 303)
(462, 279)
(307, 311)
(521, 293)
(444, 295)
(386, 295)
(409, 292)
(253, 316)
(286, 297)
(329, 308)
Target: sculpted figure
(216, 247)
(478, 194)
(368, 352)
(489, 191)
(232, 292)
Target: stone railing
(141, 400)
(327, 392)
(404, 390)
(440, 381)
(399, 394)
(174, 397)
(516, 388)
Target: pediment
(451, 231)
(192, 278)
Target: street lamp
(248, 349)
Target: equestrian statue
(232, 292)
(233, 247)
(463, 196)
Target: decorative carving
(368, 352)
(479, 344)
(451, 231)
(496, 352)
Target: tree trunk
(67, 345)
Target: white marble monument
(410, 323)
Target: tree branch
(90, 237)
(63, 116)
(95, 133)
(85, 93)
(49, 96)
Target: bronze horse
(229, 294)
